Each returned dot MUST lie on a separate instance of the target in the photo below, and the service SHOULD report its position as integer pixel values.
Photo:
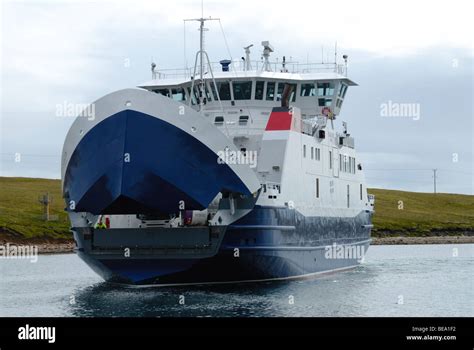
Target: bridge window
(325, 89)
(270, 91)
(339, 103)
(312, 153)
(243, 119)
(308, 90)
(194, 95)
(304, 151)
(317, 187)
(330, 159)
(324, 102)
(224, 90)
(219, 120)
(317, 153)
(281, 86)
(293, 93)
(164, 92)
(242, 90)
(259, 90)
(342, 90)
(178, 94)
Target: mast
(201, 54)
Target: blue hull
(271, 243)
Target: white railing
(240, 66)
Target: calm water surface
(416, 280)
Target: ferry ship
(225, 172)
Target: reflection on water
(393, 281)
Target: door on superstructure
(335, 162)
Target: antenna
(201, 54)
(248, 65)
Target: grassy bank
(423, 214)
(21, 212)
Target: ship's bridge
(314, 88)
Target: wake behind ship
(227, 172)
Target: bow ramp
(140, 152)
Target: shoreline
(67, 246)
(404, 240)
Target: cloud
(404, 51)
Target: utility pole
(434, 180)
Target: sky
(401, 53)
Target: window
(304, 151)
(325, 89)
(270, 91)
(318, 154)
(178, 94)
(243, 119)
(224, 90)
(164, 92)
(342, 89)
(293, 93)
(340, 162)
(308, 90)
(280, 88)
(339, 103)
(348, 196)
(317, 188)
(330, 159)
(259, 90)
(360, 186)
(353, 165)
(242, 90)
(194, 95)
(324, 102)
(219, 120)
(207, 92)
(312, 153)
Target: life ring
(327, 112)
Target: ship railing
(241, 67)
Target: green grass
(422, 213)
(21, 212)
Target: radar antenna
(248, 65)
